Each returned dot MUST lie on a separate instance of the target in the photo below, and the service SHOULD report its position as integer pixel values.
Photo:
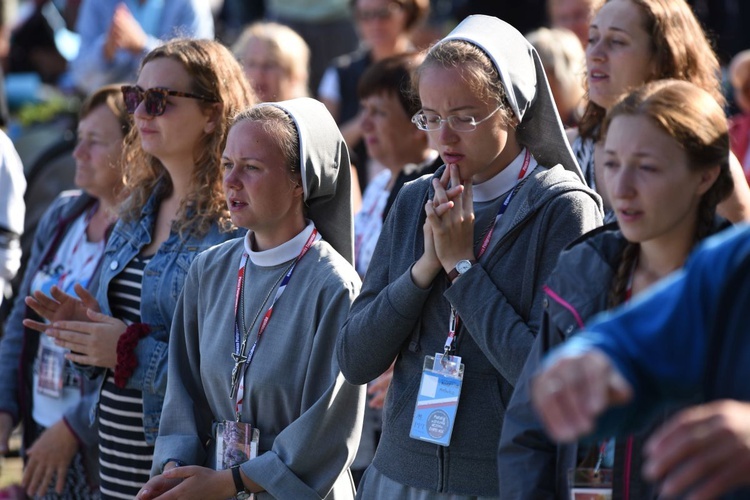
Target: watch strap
(237, 478)
(454, 273)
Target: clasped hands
(76, 324)
(448, 229)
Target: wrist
(422, 273)
(126, 359)
(458, 267)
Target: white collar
(283, 253)
(503, 181)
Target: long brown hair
(215, 74)
(692, 117)
(680, 50)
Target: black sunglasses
(156, 98)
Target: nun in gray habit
(523, 203)
(287, 180)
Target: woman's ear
(708, 177)
(214, 114)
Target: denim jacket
(19, 345)
(163, 279)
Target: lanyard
(240, 342)
(453, 323)
(81, 239)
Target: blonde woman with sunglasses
(186, 92)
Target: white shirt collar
(283, 253)
(503, 181)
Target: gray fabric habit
(326, 175)
(522, 74)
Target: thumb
(100, 317)
(86, 297)
(619, 390)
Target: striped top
(124, 456)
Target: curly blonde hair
(215, 74)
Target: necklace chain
(243, 325)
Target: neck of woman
(104, 216)
(657, 259)
(275, 235)
(398, 46)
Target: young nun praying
(452, 289)
(254, 332)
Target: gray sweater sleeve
(389, 307)
(503, 335)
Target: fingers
(573, 391)
(694, 469)
(61, 474)
(88, 300)
(69, 339)
(36, 325)
(669, 445)
(59, 295)
(41, 304)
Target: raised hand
(702, 452)
(573, 391)
(452, 219)
(60, 306)
(92, 342)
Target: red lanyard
(240, 343)
(453, 323)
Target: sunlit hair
(416, 10)
(393, 76)
(476, 68)
(288, 48)
(111, 97)
(564, 60)
(278, 124)
(693, 118)
(215, 73)
(680, 50)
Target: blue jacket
(163, 279)
(688, 336)
(19, 345)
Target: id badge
(590, 484)
(51, 368)
(236, 443)
(437, 401)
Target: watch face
(462, 266)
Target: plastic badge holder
(590, 484)
(236, 443)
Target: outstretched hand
(573, 391)
(60, 306)
(702, 452)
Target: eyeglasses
(380, 14)
(431, 121)
(156, 98)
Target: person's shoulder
(224, 256)
(331, 268)
(603, 243)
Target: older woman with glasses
(452, 289)
(186, 92)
